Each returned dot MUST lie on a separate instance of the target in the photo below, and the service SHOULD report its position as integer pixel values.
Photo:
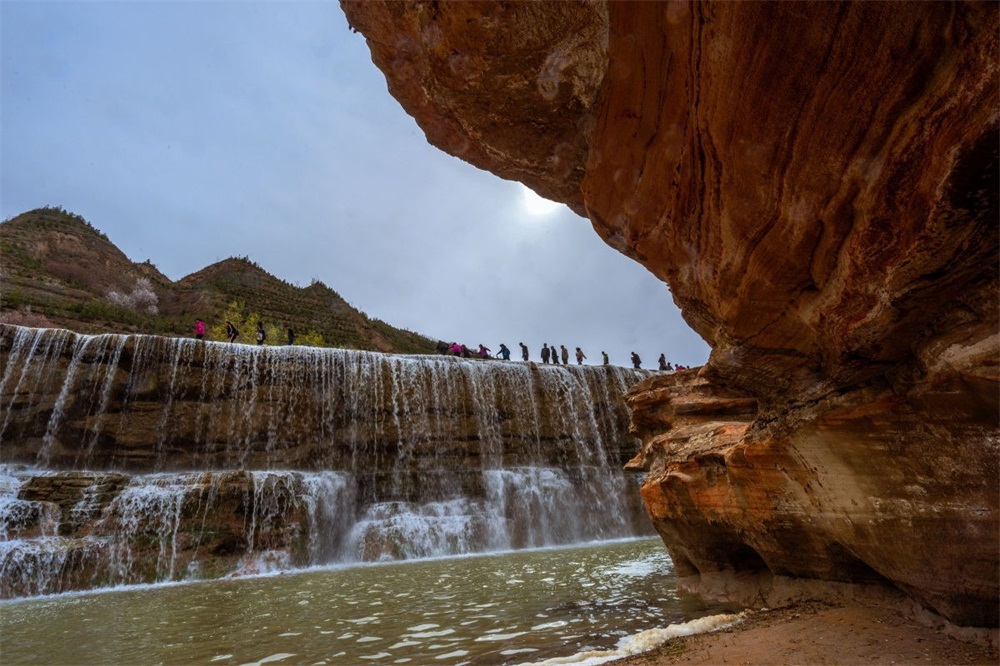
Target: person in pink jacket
(199, 329)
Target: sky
(189, 132)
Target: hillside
(58, 266)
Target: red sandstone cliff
(818, 184)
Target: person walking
(524, 351)
(604, 354)
(636, 361)
(580, 356)
(261, 334)
(565, 354)
(545, 353)
(231, 332)
(199, 329)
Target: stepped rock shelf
(818, 185)
(131, 458)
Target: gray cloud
(189, 132)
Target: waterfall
(130, 459)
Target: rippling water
(517, 607)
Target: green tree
(246, 321)
(310, 339)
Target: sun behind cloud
(535, 205)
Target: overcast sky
(189, 132)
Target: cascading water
(131, 459)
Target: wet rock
(141, 459)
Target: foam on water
(280, 656)
(638, 568)
(644, 641)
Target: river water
(509, 608)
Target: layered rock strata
(127, 459)
(818, 185)
(136, 403)
(74, 530)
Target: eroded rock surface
(818, 185)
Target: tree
(142, 298)
(246, 322)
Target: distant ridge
(61, 268)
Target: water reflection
(496, 609)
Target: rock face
(818, 185)
(127, 459)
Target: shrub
(12, 299)
(246, 322)
(309, 339)
(109, 312)
(25, 317)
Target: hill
(59, 267)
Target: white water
(322, 455)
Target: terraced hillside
(56, 265)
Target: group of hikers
(232, 332)
(549, 354)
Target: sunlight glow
(536, 205)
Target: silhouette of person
(605, 355)
(291, 336)
(580, 356)
(231, 331)
(261, 333)
(565, 354)
(545, 352)
(524, 351)
(662, 361)
(636, 361)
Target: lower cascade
(129, 459)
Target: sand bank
(815, 633)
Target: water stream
(511, 608)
